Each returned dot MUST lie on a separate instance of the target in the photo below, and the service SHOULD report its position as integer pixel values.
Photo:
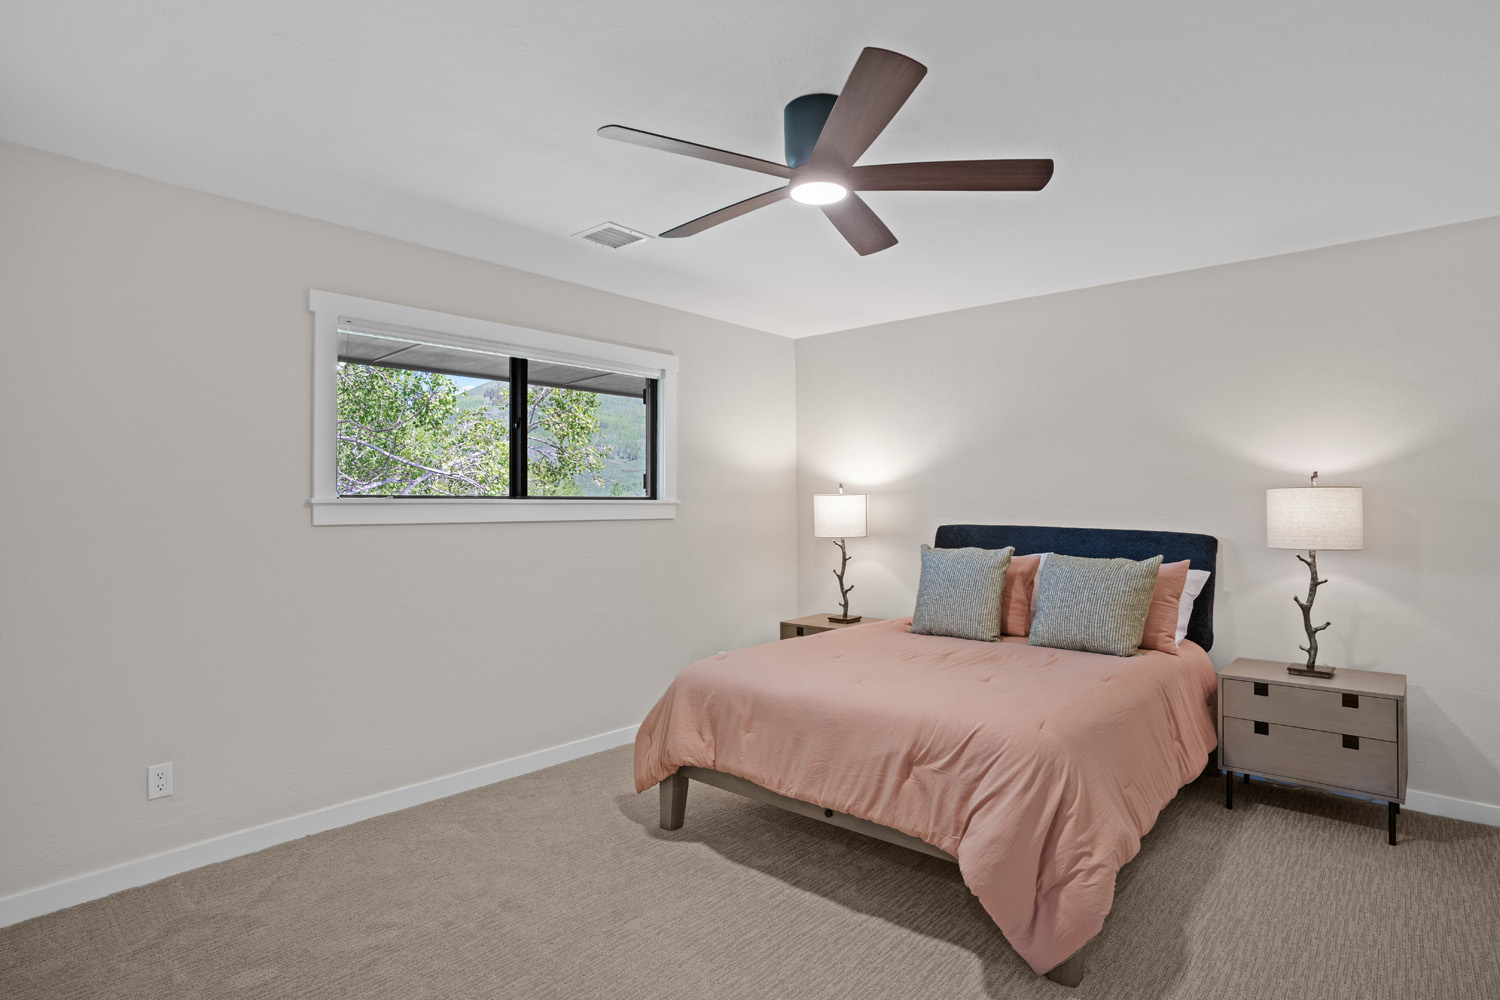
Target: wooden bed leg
(1070, 973)
(673, 790)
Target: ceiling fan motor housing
(803, 122)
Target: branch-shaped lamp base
(846, 618)
(1312, 669)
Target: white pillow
(1190, 591)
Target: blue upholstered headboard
(1109, 543)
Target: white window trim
(329, 309)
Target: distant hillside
(621, 437)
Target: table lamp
(1314, 517)
(839, 516)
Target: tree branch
(406, 461)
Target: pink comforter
(1039, 769)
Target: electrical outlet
(159, 780)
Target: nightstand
(1346, 733)
(793, 627)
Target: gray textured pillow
(960, 593)
(1096, 605)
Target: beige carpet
(558, 884)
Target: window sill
(461, 511)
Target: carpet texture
(558, 884)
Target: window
(417, 418)
(421, 416)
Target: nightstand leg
(1247, 779)
(1228, 789)
(1391, 812)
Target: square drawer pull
(1351, 701)
(1264, 690)
(1351, 742)
(1264, 729)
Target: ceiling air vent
(612, 235)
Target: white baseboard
(96, 885)
(1426, 802)
(1442, 805)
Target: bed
(1036, 770)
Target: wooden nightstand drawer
(1312, 755)
(1331, 711)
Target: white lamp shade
(839, 515)
(1315, 517)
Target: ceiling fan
(825, 134)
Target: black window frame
(518, 438)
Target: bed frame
(1173, 546)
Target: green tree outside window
(411, 433)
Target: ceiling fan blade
(685, 148)
(953, 175)
(726, 213)
(879, 84)
(858, 223)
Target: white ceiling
(1185, 133)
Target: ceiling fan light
(818, 192)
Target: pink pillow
(1161, 619)
(1015, 599)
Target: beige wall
(1173, 403)
(164, 596)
